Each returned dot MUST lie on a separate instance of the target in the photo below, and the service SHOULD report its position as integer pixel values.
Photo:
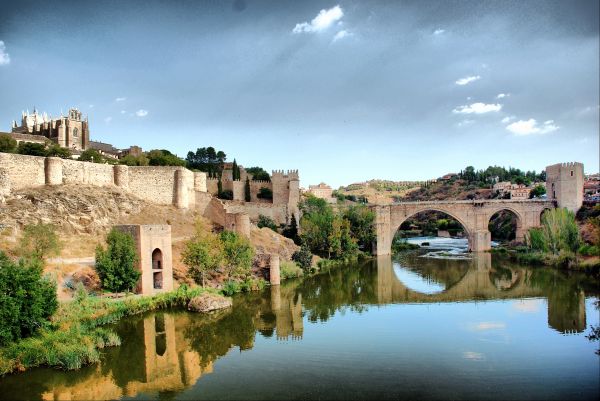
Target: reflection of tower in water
(566, 311)
(286, 305)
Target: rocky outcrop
(208, 302)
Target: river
(415, 327)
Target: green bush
(39, 241)
(58, 151)
(230, 288)
(203, 253)
(27, 299)
(31, 149)
(303, 257)
(226, 195)
(589, 250)
(7, 143)
(91, 155)
(290, 270)
(265, 221)
(116, 264)
(265, 193)
(237, 255)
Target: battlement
(260, 182)
(282, 174)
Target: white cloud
(120, 99)
(108, 120)
(141, 113)
(507, 119)
(502, 95)
(488, 326)
(123, 111)
(473, 356)
(4, 57)
(467, 80)
(529, 127)
(439, 31)
(322, 21)
(91, 106)
(477, 108)
(341, 35)
(465, 122)
(528, 305)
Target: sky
(343, 91)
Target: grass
(76, 338)
(290, 270)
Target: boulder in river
(208, 302)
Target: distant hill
(380, 191)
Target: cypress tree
(219, 188)
(247, 190)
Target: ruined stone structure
(565, 180)
(564, 183)
(155, 260)
(322, 191)
(70, 131)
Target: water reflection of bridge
(481, 281)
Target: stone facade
(564, 184)
(70, 131)
(153, 245)
(322, 191)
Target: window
(75, 133)
(571, 173)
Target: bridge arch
(396, 224)
(519, 233)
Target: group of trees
(558, 234)
(208, 252)
(335, 234)
(9, 145)
(493, 174)
(207, 159)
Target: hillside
(84, 214)
(379, 191)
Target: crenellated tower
(564, 184)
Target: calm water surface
(413, 327)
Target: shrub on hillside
(203, 253)
(27, 299)
(39, 241)
(290, 270)
(237, 255)
(7, 143)
(266, 221)
(116, 264)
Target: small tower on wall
(564, 184)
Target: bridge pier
(480, 241)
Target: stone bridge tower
(564, 184)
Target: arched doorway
(157, 265)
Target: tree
(7, 143)
(31, 149)
(538, 191)
(130, 160)
(27, 299)
(203, 253)
(362, 220)
(265, 193)
(247, 196)
(162, 157)
(237, 254)
(258, 174)
(291, 231)
(39, 241)
(303, 257)
(235, 173)
(91, 155)
(58, 151)
(208, 160)
(116, 264)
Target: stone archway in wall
(396, 223)
(157, 269)
(501, 213)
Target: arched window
(157, 259)
(75, 132)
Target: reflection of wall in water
(567, 315)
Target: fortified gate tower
(564, 184)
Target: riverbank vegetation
(336, 234)
(558, 242)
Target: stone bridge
(473, 215)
